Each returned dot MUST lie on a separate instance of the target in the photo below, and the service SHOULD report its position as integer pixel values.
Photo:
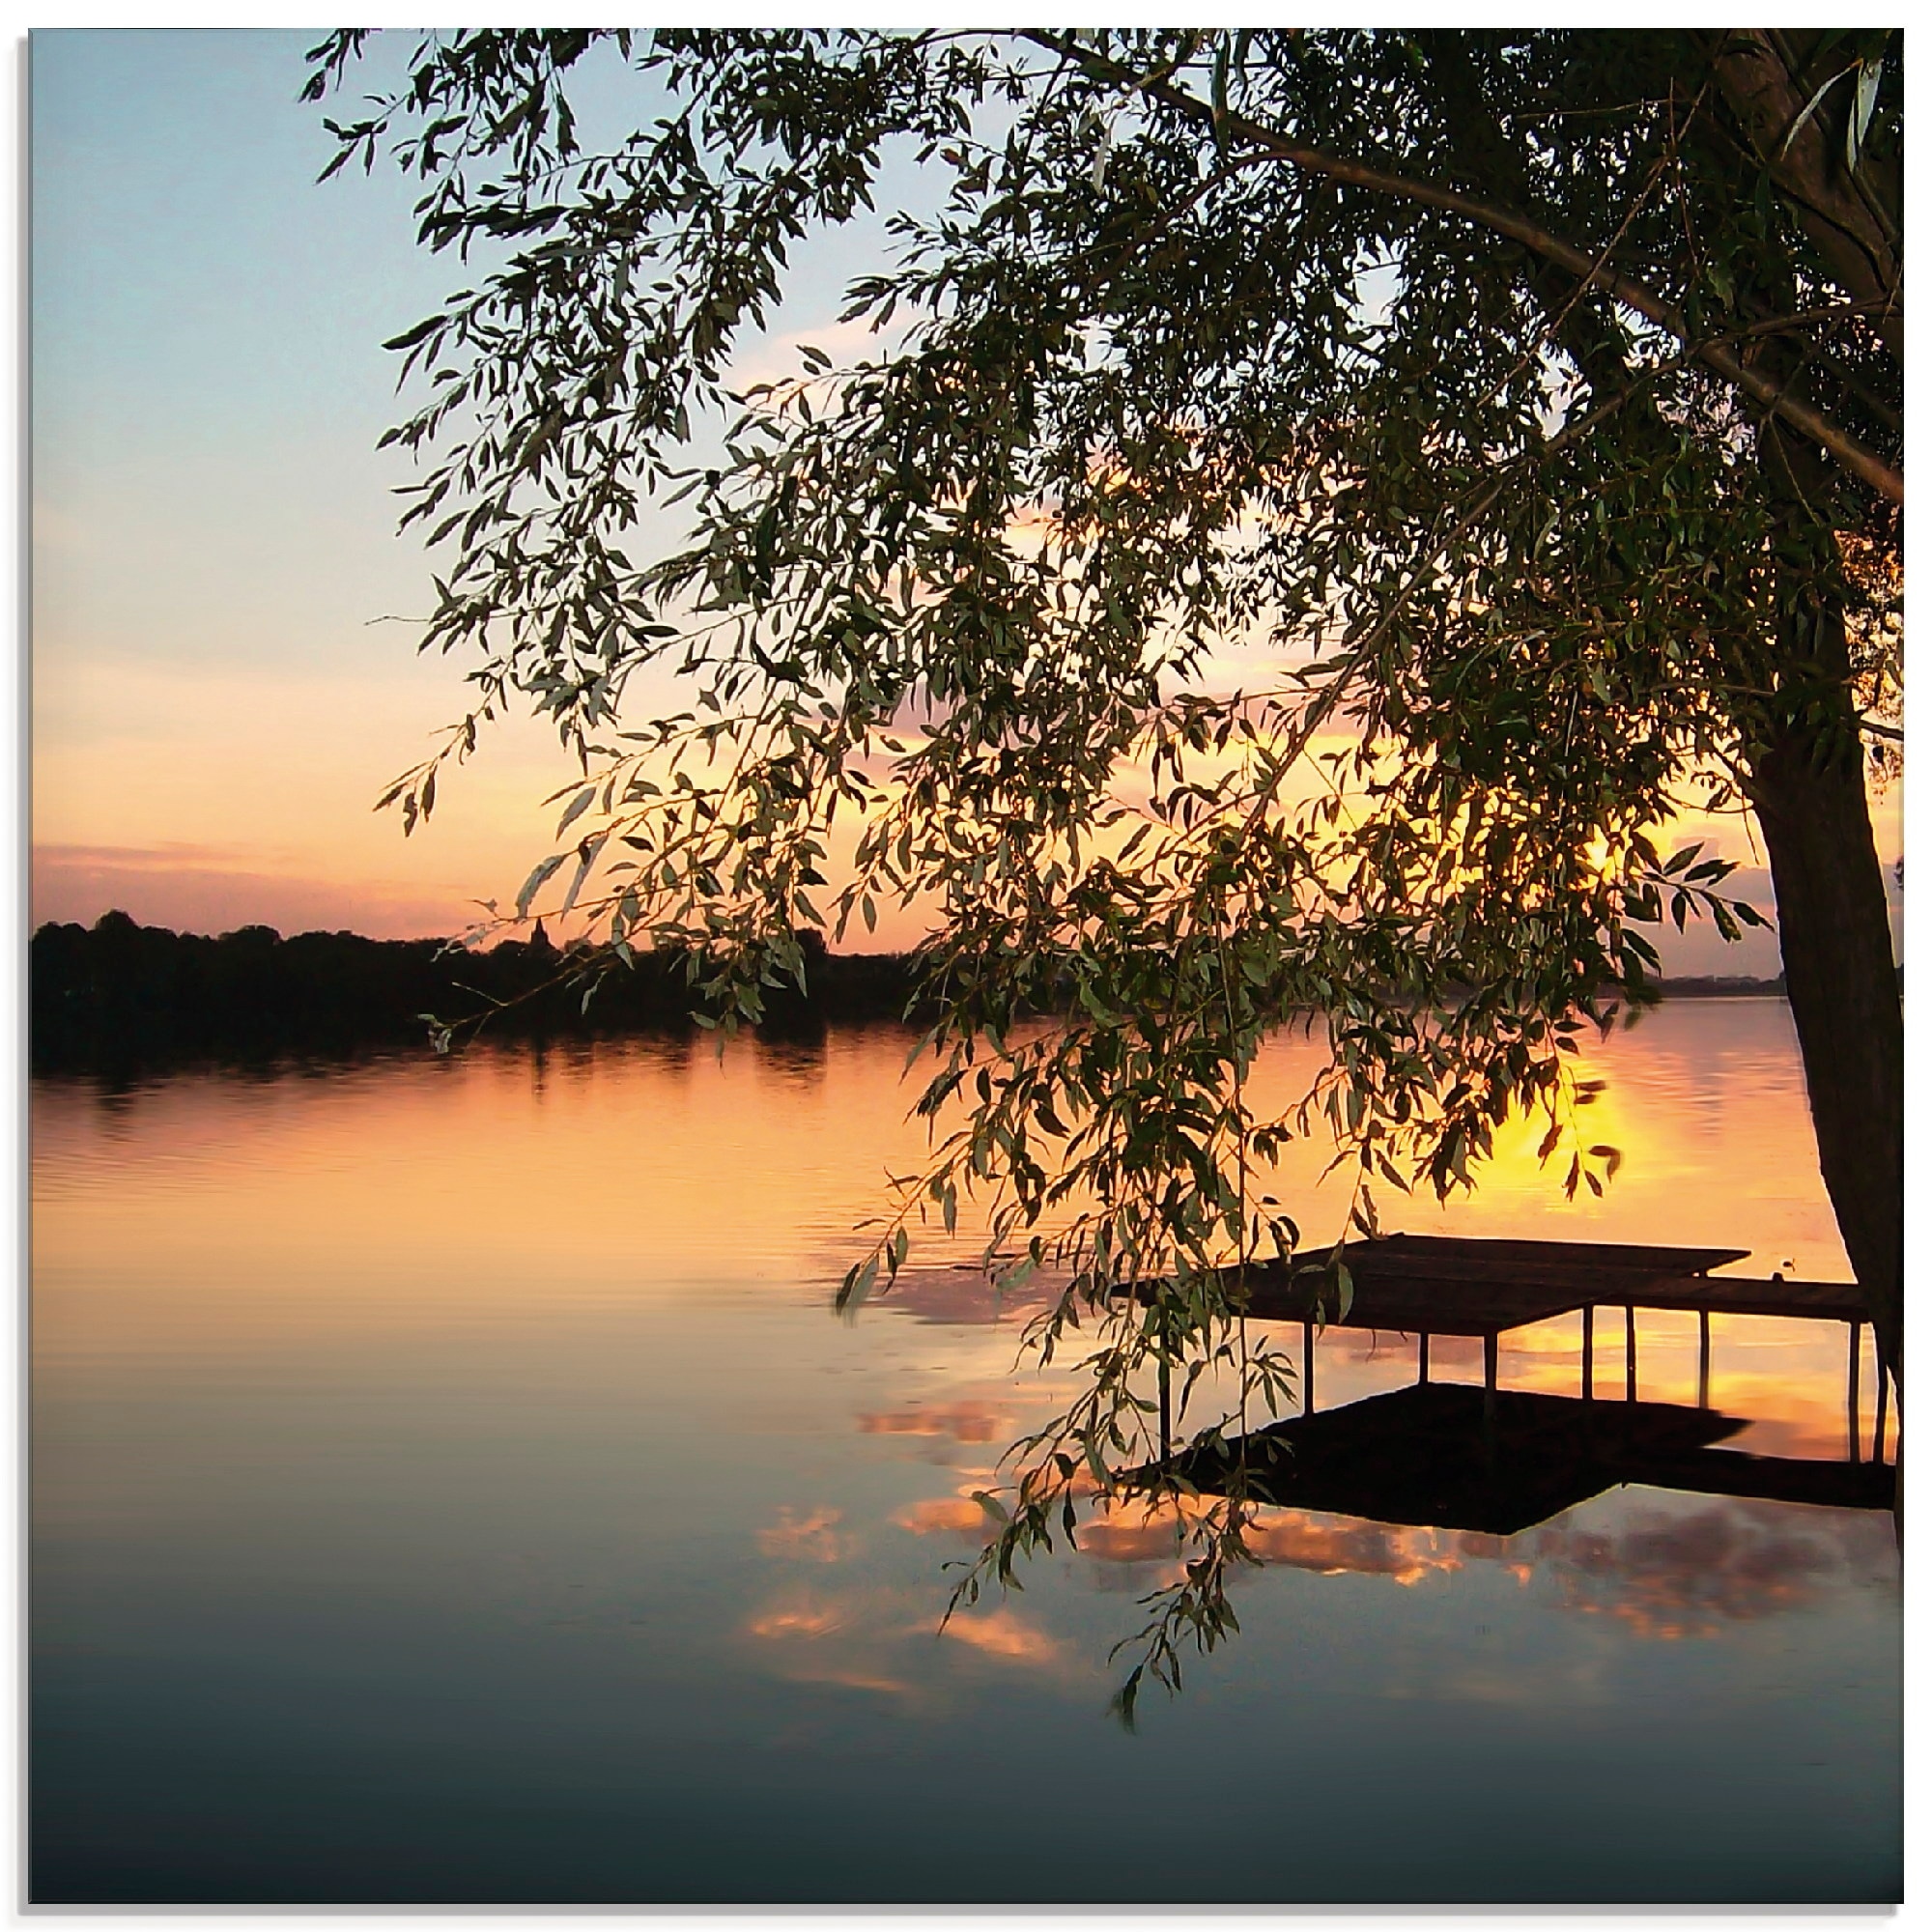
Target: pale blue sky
(215, 710)
(207, 329)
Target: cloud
(797, 1619)
(806, 1539)
(946, 1516)
(961, 1515)
(1344, 1546)
(1000, 1633)
(778, 358)
(1132, 1533)
(1331, 1546)
(963, 1421)
(1671, 1575)
(851, 1679)
(835, 1641)
(1664, 1573)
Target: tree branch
(1845, 230)
(1846, 449)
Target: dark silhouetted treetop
(121, 997)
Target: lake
(450, 1484)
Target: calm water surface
(449, 1484)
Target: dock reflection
(1438, 1456)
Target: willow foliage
(1424, 373)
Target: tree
(1533, 398)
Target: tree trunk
(1808, 790)
(1852, 223)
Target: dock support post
(1308, 1367)
(1629, 1354)
(1489, 1402)
(1703, 1358)
(1852, 1393)
(1589, 1351)
(1421, 1359)
(1878, 1424)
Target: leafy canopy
(1294, 535)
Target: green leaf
(531, 886)
(858, 1283)
(576, 809)
(1864, 105)
(1810, 108)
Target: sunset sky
(221, 684)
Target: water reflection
(1741, 1558)
(1665, 1573)
(1447, 1457)
(448, 1477)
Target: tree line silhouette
(119, 996)
(122, 995)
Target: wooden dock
(1449, 1284)
(1425, 1285)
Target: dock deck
(1454, 1285)
(1425, 1285)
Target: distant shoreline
(120, 997)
